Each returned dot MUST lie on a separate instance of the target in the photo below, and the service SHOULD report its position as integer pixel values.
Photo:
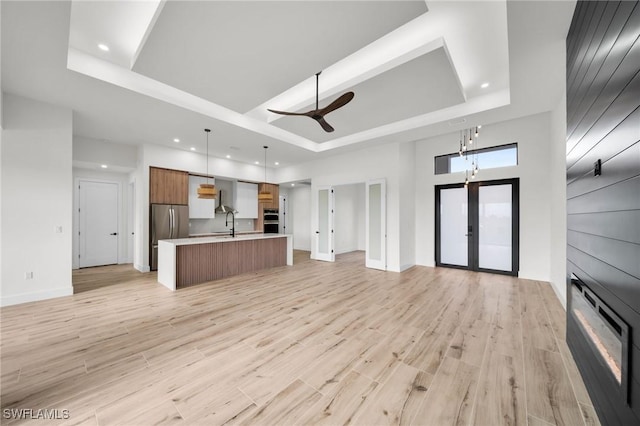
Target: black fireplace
(604, 332)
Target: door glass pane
(323, 221)
(494, 220)
(375, 222)
(453, 227)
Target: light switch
(58, 229)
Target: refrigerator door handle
(170, 223)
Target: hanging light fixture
(265, 196)
(467, 136)
(207, 190)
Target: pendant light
(265, 196)
(207, 190)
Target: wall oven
(271, 221)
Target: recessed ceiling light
(104, 166)
(257, 162)
(293, 184)
(192, 149)
(277, 163)
(228, 156)
(176, 140)
(484, 85)
(103, 47)
(479, 126)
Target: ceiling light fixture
(256, 162)
(277, 163)
(104, 166)
(192, 148)
(265, 196)
(228, 156)
(207, 190)
(468, 136)
(176, 140)
(103, 47)
(484, 85)
(293, 184)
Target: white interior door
(376, 224)
(131, 221)
(324, 226)
(98, 227)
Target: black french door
(477, 226)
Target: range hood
(221, 207)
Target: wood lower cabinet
(198, 263)
(168, 186)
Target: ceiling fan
(319, 113)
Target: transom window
(486, 158)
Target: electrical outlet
(28, 275)
(58, 229)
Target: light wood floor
(315, 343)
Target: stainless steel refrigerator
(168, 221)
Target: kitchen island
(189, 261)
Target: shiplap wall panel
(603, 237)
(621, 225)
(623, 166)
(582, 158)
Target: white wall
(558, 200)
(124, 227)
(407, 206)
(349, 213)
(534, 140)
(90, 152)
(37, 197)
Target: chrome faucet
(233, 222)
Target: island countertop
(184, 262)
(222, 239)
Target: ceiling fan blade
(326, 126)
(338, 103)
(288, 113)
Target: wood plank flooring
(313, 343)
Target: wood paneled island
(188, 261)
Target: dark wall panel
(580, 161)
(603, 236)
(620, 225)
(624, 165)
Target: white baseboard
(142, 268)
(406, 266)
(347, 250)
(35, 296)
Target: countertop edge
(225, 239)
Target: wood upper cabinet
(168, 186)
(275, 191)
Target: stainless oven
(271, 221)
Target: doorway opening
(351, 223)
(477, 226)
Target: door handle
(317, 232)
(113, 233)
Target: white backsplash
(205, 226)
